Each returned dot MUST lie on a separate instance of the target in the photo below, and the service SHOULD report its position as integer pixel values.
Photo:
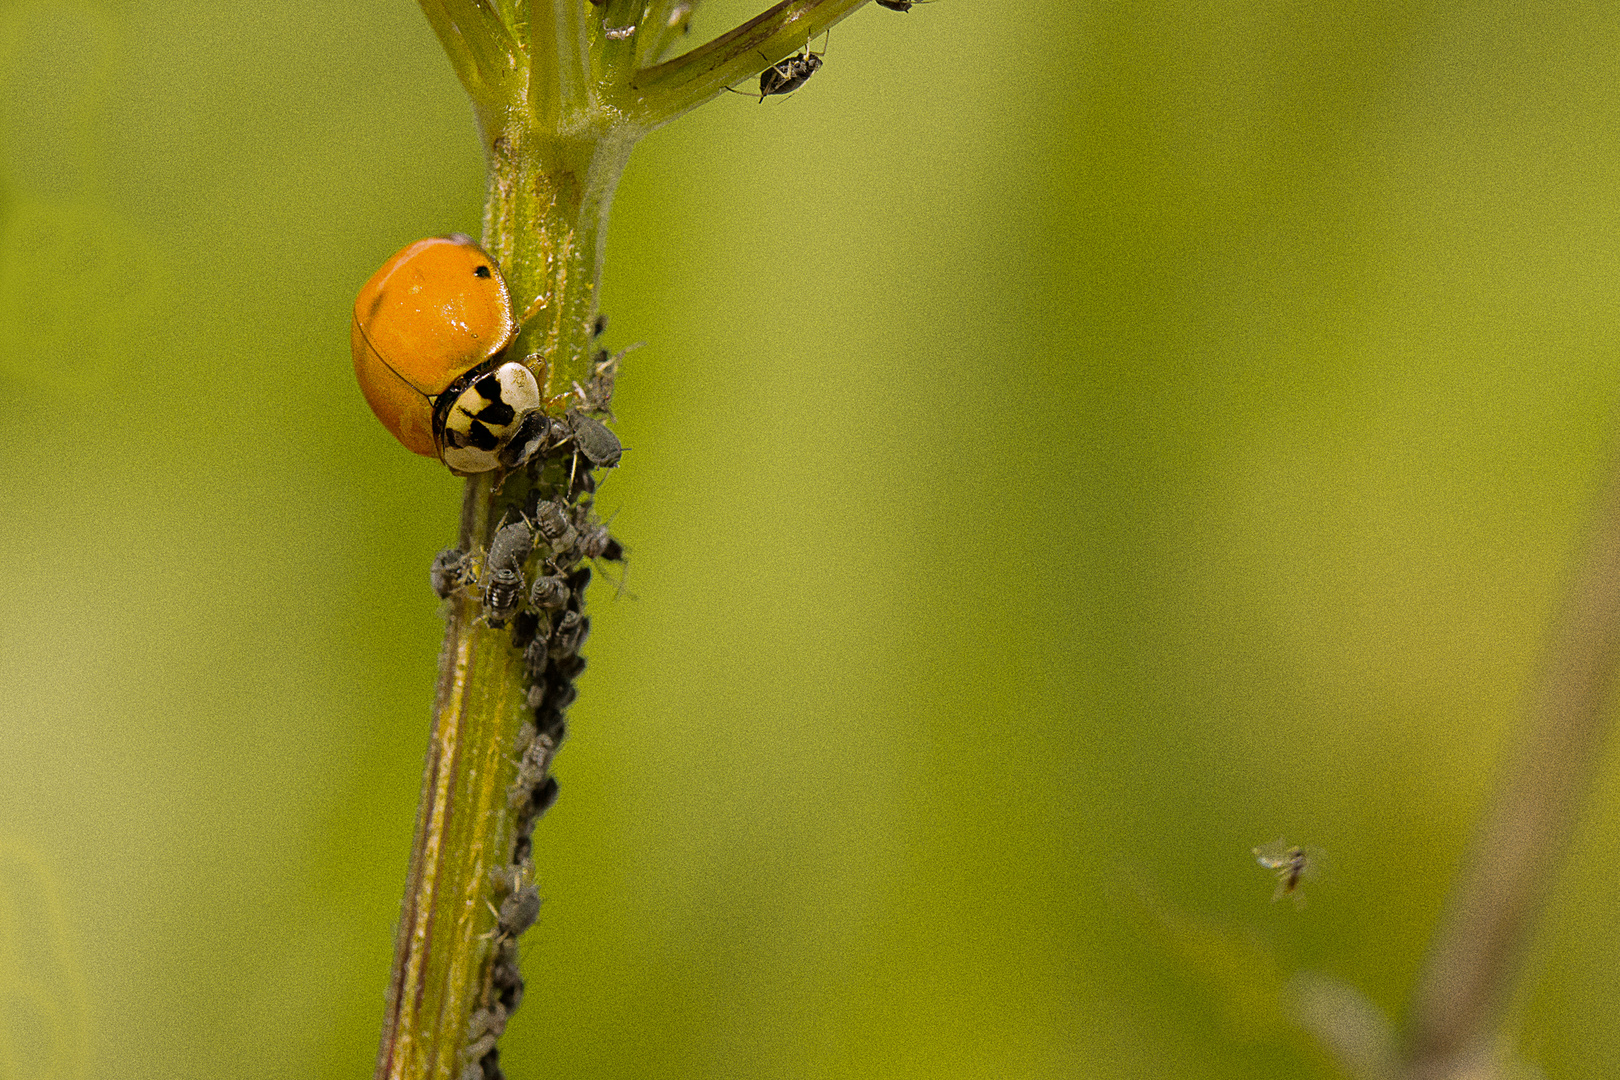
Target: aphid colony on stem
(549, 626)
(551, 540)
(429, 340)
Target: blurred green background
(1073, 445)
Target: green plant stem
(485, 54)
(560, 88)
(545, 222)
(559, 110)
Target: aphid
(552, 522)
(1292, 863)
(427, 335)
(526, 626)
(595, 542)
(565, 695)
(490, 1021)
(901, 5)
(448, 573)
(519, 910)
(599, 325)
(596, 396)
(581, 482)
(550, 721)
(592, 438)
(790, 74)
(550, 593)
(507, 981)
(511, 545)
(571, 632)
(476, 1053)
(534, 660)
(503, 593)
(545, 796)
(535, 761)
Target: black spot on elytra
(481, 271)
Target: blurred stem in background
(1457, 1023)
(1479, 948)
(562, 91)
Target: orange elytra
(437, 312)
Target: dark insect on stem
(552, 521)
(901, 5)
(790, 74)
(503, 593)
(550, 593)
(449, 572)
(519, 910)
(510, 546)
(592, 439)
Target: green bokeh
(1073, 444)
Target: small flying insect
(1293, 865)
(901, 5)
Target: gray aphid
(520, 910)
(552, 520)
(599, 445)
(503, 595)
(449, 571)
(511, 545)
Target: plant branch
(552, 82)
(545, 224)
(1480, 945)
(679, 85)
(487, 58)
(559, 88)
(623, 22)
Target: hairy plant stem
(560, 102)
(545, 222)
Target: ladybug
(428, 334)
